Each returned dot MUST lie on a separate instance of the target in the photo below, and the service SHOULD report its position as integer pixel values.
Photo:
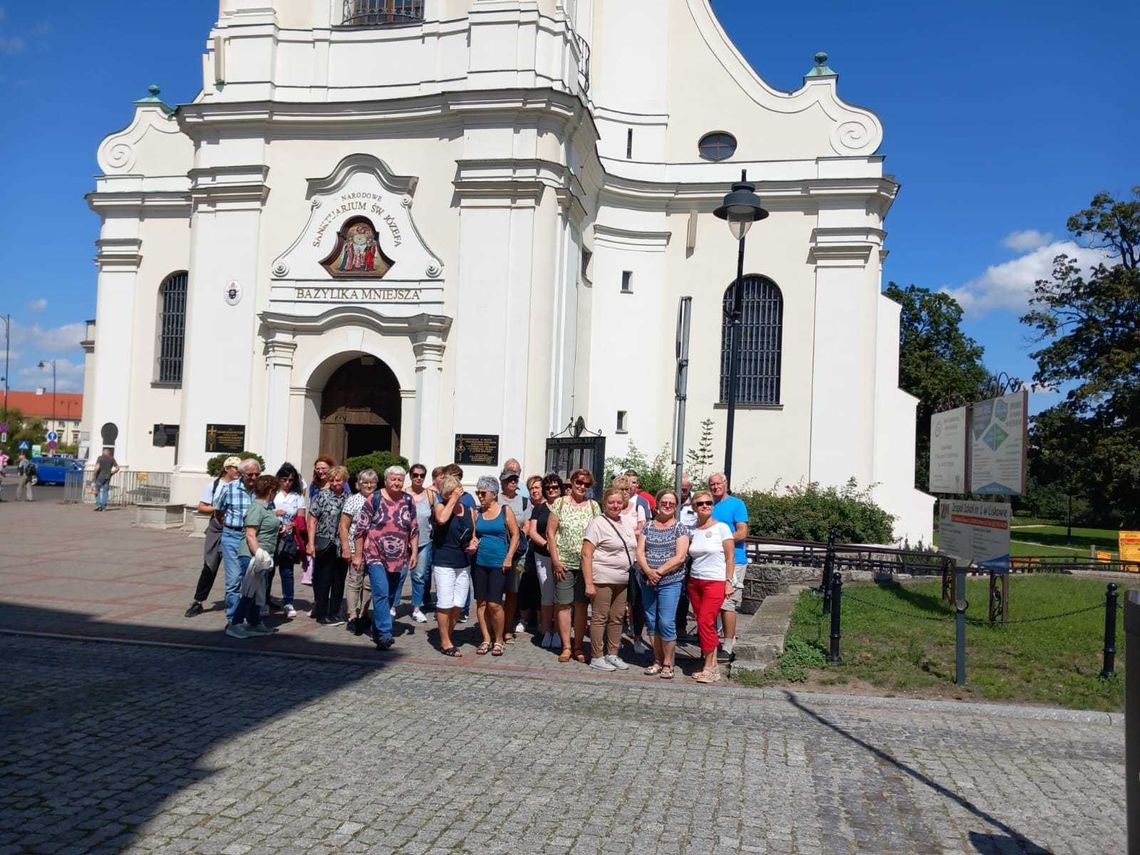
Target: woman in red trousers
(711, 549)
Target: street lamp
(7, 341)
(740, 208)
(45, 364)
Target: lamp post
(740, 208)
(7, 341)
(45, 364)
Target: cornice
(515, 180)
(231, 185)
(339, 316)
(619, 238)
(123, 254)
(844, 246)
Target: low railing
(876, 559)
(382, 13)
(127, 488)
(1068, 563)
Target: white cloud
(68, 377)
(38, 305)
(54, 339)
(1009, 285)
(1026, 240)
(11, 45)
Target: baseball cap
(232, 460)
(508, 474)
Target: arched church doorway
(360, 410)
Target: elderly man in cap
(212, 551)
(231, 501)
(517, 502)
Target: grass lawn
(1054, 662)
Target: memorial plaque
(225, 439)
(477, 449)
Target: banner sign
(948, 452)
(975, 532)
(998, 445)
(1129, 543)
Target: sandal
(666, 672)
(564, 656)
(578, 655)
(712, 676)
(483, 648)
(653, 670)
(453, 652)
(509, 638)
(496, 649)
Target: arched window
(382, 13)
(171, 327)
(762, 323)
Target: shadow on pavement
(88, 761)
(990, 844)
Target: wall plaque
(477, 449)
(225, 439)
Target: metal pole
(1132, 716)
(960, 606)
(828, 568)
(836, 609)
(1109, 631)
(7, 343)
(681, 392)
(736, 319)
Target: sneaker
(392, 612)
(264, 611)
(603, 664)
(418, 616)
(463, 618)
(639, 648)
(728, 645)
(236, 630)
(259, 629)
(520, 627)
(332, 621)
(385, 643)
(617, 663)
(289, 610)
(195, 609)
(351, 625)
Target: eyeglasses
(483, 493)
(666, 504)
(551, 488)
(581, 483)
(419, 474)
(702, 504)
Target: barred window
(171, 327)
(382, 13)
(761, 330)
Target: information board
(1129, 545)
(997, 445)
(975, 532)
(477, 449)
(948, 451)
(225, 439)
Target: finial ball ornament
(820, 58)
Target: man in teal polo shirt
(732, 512)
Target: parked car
(53, 470)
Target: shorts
(514, 575)
(489, 582)
(452, 586)
(732, 603)
(571, 588)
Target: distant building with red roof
(62, 415)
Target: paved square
(175, 739)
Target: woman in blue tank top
(497, 536)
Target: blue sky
(1001, 119)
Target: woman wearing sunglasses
(497, 536)
(543, 491)
(711, 548)
(662, 547)
(569, 516)
(421, 494)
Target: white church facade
(384, 223)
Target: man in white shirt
(212, 551)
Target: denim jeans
(231, 541)
(660, 605)
(247, 609)
(286, 568)
(381, 618)
(396, 587)
(102, 493)
(421, 573)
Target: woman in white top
(711, 550)
(288, 504)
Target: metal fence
(848, 556)
(127, 488)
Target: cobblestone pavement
(122, 746)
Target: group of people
(25, 476)
(555, 557)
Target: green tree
(24, 429)
(1088, 322)
(938, 363)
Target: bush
(378, 460)
(214, 464)
(804, 512)
(654, 476)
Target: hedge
(214, 464)
(804, 512)
(378, 460)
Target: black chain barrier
(971, 621)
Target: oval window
(718, 146)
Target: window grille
(382, 13)
(761, 330)
(171, 328)
(717, 146)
